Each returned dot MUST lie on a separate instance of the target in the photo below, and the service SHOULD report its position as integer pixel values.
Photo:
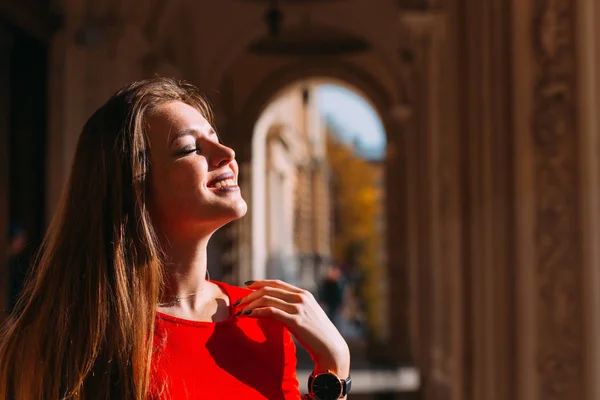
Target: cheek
(178, 184)
(170, 199)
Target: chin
(236, 211)
(240, 209)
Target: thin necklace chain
(177, 299)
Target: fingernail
(237, 314)
(237, 303)
(248, 283)
(247, 312)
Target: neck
(185, 269)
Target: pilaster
(432, 188)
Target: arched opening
(250, 105)
(318, 201)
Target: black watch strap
(346, 385)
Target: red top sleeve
(240, 357)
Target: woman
(118, 305)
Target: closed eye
(187, 150)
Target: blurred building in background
(491, 175)
(289, 228)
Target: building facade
(289, 195)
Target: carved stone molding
(558, 250)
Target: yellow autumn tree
(356, 201)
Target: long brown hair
(83, 326)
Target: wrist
(338, 362)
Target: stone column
(66, 107)
(488, 171)
(398, 234)
(432, 146)
(242, 264)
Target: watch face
(327, 387)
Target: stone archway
(383, 99)
(392, 112)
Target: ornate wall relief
(558, 246)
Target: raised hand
(304, 318)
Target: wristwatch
(328, 386)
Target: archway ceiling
(309, 40)
(225, 30)
(212, 44)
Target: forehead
(173, 117)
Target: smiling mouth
(224, 182)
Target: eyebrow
(190, 131)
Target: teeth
(224, 183)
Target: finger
(273, 283)
(282, 294)
(268, 301)
(271, 312)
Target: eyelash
(189, 150)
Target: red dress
(238, 358)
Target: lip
(227, 175)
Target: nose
(221, 155)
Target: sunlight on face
(193, 177)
